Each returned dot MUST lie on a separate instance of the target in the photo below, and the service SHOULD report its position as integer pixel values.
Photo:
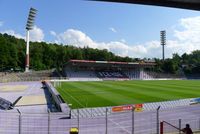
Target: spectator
(187, 129)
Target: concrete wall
(60, 104)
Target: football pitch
(113, 93)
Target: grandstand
(83, 70)
(109, 70)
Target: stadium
(100, 97)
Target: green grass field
(112, 93)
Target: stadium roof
(112, 62)
(184, 4)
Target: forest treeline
(50, 55)
(45, 55)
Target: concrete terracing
(34, 98)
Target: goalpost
(168, 128)
(56, 83)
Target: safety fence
(116, 123)
(128, 122)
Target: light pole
(163, 42)
(29, 26)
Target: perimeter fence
(129, 122)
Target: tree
(47, 56)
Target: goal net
(168, 128)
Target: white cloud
(35, 35)
(74, 37)
(53, 33)
(186, 40)
(79, 39)
(13, 33)
(113, 30)
(191, 30)
(123, 40)
(1, 23)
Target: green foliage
(189, 62)
(46, 56)
(169, 66)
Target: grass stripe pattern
(113, 93)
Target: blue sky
(125, 29)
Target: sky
(124, 29)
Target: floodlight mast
(29, 26)
(163, 42)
